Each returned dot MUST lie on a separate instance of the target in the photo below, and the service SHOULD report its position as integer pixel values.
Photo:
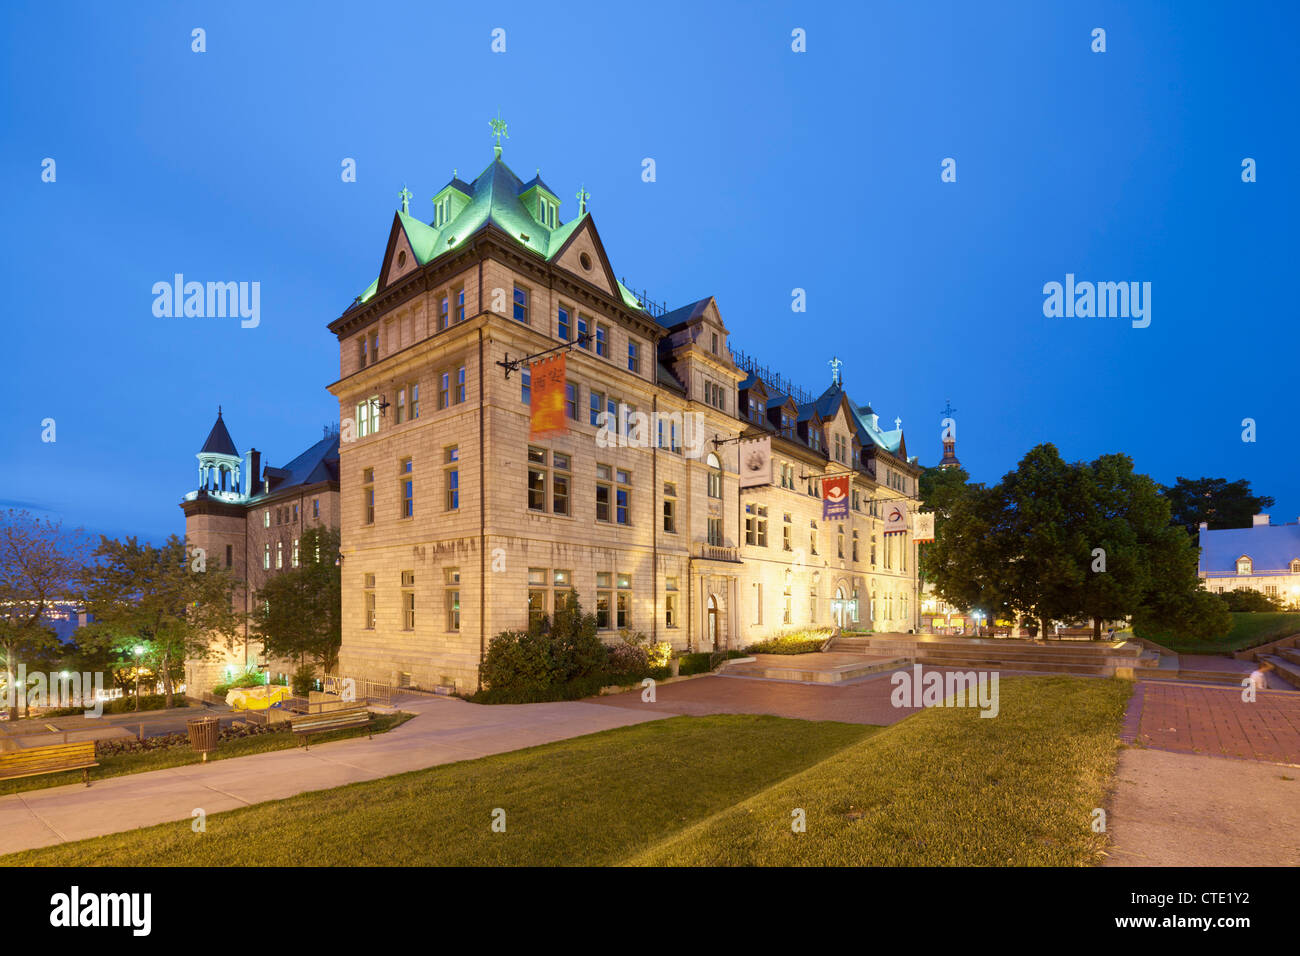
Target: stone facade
(455, 523)
(253, 531)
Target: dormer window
(548, 213)
(441, 212)
(1244, 565)
(1295, 566)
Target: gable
(399, 258)
(596, 268)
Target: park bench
(55, 758)
(331, 720)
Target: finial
(948, 410)
(405, 195)
(835, 364)
(498, 130)
(218, 411)
(583, 196)
(898, 423)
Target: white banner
(896, 517)
(923, 526)
(755, 463)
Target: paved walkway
(1176, 809)
(444, 730)
(1211, 780)
(1200, 719)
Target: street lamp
(139, 652)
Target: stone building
(456, 525)
(248, 517)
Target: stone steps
(1291, 654)
(799, 670)
(1288, 669)
(1037, 666)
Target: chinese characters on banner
(546, 399)
(835, 497)
(896, 518)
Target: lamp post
(139, 652)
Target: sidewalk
(444, 730)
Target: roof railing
(775, 380)
(657, 309)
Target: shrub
(627, 660)
(791, 642)
(1248, 600)
(304, 681)
(559, 659)
(704, 661)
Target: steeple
(219, 463)
(949, 438)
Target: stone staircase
(812, 668)
(1077, 657)
(1287, 664)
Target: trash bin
(203, 734)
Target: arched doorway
(839, 609)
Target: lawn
(1249, 629)
(119, 764)
(590, 800)
(944, 786)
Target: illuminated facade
(457, 525)
(248, 518)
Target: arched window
(1244, 565)
(715, 476)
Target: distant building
(250, 521)
(1264, 558)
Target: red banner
(546, 399)
(835, 497)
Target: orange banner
(546, 399)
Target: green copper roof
(495, 198)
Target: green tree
(298, 613)
(939, 489)
(1058, 541)
(968, 562)
(1244, 599)
(39, 563)
(164, 601)
(1217, 501)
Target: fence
(363, 689)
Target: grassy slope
(945, 787)
(1249, 629)
(119, 764)
(589, 800)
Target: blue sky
(775, 170)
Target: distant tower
(219, 464)
(949, 438)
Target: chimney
(1261, 520)
(1205, 526)
(254, 472)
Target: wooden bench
(34, 761)
(331, 720)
